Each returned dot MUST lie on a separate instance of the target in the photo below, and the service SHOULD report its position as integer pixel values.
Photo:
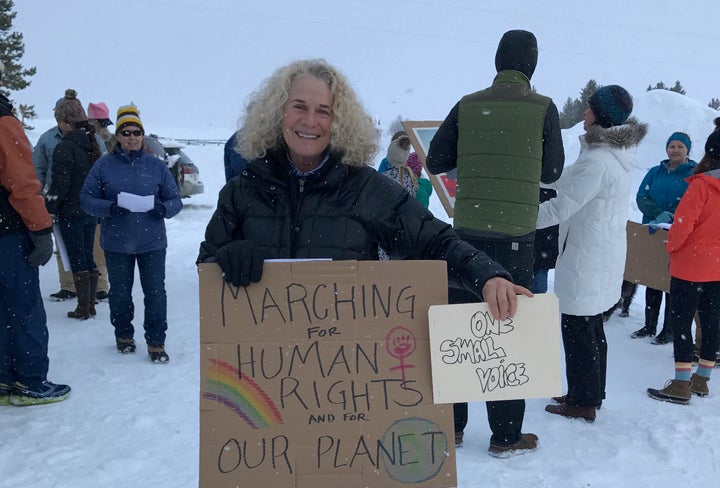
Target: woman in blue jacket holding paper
(657, 198)
(133, 233)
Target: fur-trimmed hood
(622, 136)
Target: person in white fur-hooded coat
(591, 208)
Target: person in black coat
(309, 191)
(72, 159)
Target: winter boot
(94, 275)
(666, 334)
(675, 391)
(651, 321)
(157, 353)
(62, 295)
(125, 345)
(573, 412)
(527, 443)
(647, 331)
(564, 399)
(698, 385)
(664, 337)
(84, 299)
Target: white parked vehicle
(186, 174)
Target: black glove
(43, 248)
(241, 262)
(157, 211)
(116, 210)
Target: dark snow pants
(23, 323)
(505, 417)
(585, 359)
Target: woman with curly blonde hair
(309, 191)
(352, 134)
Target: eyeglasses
(128, 133)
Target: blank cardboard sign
(647, 261)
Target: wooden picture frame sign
(444, 184)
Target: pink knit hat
(99, 111)
(413, 162)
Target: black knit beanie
(712, 146)
(517, 50)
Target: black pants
(653, 300)
(505, 417)
(585, 359)
(685, 298)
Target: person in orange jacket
(694, 247)
(25, 244)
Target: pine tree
(572, 111)
(714, 104)
(677, 88)
(12, 49)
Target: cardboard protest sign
(478, 358)
(647, 261)
(319, 376)
(421, 133)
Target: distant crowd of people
(79, 178)
(305, 138)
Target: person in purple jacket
(129, 236)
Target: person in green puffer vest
(503, 141)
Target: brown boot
(94, 275)
(527, 443)
(82, 290)
(675, 391)
(698, 385)
(573, 412)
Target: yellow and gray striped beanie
(128, 115)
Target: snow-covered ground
(131, 423)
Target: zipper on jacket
(296, 218)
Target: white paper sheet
(662, 225)
(136, 203)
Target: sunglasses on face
(128, 133)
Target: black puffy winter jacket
(72, 159)
(341, 213)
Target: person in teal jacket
(657, 198)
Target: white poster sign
(478, 358)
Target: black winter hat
(517, 50)
(712, 146)
(611, 105)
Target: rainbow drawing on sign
(241, 395)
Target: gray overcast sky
(190, 64)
